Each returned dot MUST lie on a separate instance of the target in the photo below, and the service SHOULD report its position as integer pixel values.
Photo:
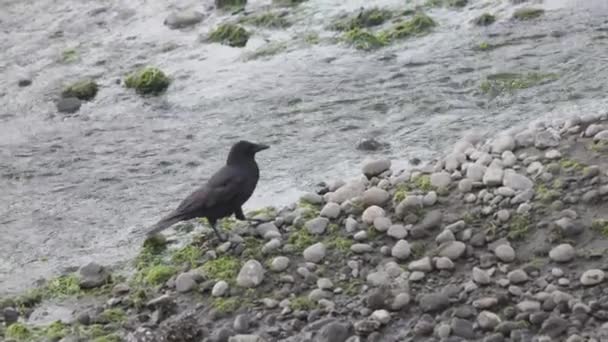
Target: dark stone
(538, 318)
(221, 335)
(84, 318)
(370, 145)
(93, 275)
(434, 302)
(424, 326)
(68, 105)
(378, 299)
(464, 311)
(334, 332)
(494, 338)
(10, 315)
(24, 82)
(506, 327)
(463, 328)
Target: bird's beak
(261, 147)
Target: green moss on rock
(288, 2)
(269, 20)
(528, 13)
(446, 3)
(230, 34)
(601, 227)
(226, 305)
(485, 19)
(223, 268)
(187, 255)
(114, 315)
(158, 274)
(301, 239)
(518, 228)
(18, 331)
(365, 18)
(84, 90)
(503, 82)
(56, 331)
(364, 40)
(148, 81)
(301, 304)
(420, 24)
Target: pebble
(475, 172)
(371, 213)
(315, 253)
(317, 226)
(360, 236)
(452, 250)
(331, 210)
(279, 264)
(416, 276)
(508, 159)
(441, 180)
(546, 139)
(400, 301)
(241, 323)
(528, 306)
(503, 143)
(120, 289)
(334, 331)
(325, 284)
(517, 276)
(443, 263)
(485, 303)
(93, 275)
(219, 289)
(592, 277)
(401, 250)
(183, 19)
(246, 338)
(397, 231)
(361, 248)
(375, 196)
(562, 253)
(601, 136)
(184, 283)
(251, 274)
(10, 315)
(480, 276)
(553, 154)
(351, 225)
(493, 176)
(445, 236)
(434, 302)
(382, 224)
(346, 192)
(376, 167)
(516, 181)
(366, 326)
(465, 185)
(381, 316)
(430, 199)
(423, 265)
(488, 320)
(462, 328)
(505, 253)
(68, 105)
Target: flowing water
(75, 188)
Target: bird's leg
(240, 216)
(213, 224)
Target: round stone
(505, 253)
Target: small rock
(423, 265)
(562, 253)
(381, 316)
(246, 338)
(517, 181)
(346, 192)
(183, 19)
(375, 196)
(434, 302)
(445, 236)
(475, 172)
(517, 277)
(382, 224)
(331, 210)
(279, 264)
(24, 82)
(441, 180)
(93, 275)
(430, 199)
(401, 250)
(397, 231)
(370, 144)
(315, 253)
(592, 277)
(452, 250)
(241, 323)
(367, 326)
(251, 274)
(553, 154)
(503, 215)
(371, 213)
(334, 332)
(503, 143)
(219, 289)
(68, 105)
(184, 283)
(400, 301)
(528, 306)
(480, 276)
(361, 248)
(120, 289)
(505, 253)
(462, 328)
(376, 167)
(465, 185)
(546, 139)
(493, 176)
(443, 263)
(324, 284)
(554, 326)
(317, 226)
(10, 315)
(488, 320)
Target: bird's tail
(164, 224)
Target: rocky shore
(500, 240)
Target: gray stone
(397, 231)
(381, 316)
(546, 139)
(376, 167)
(503, 143)
(441, 179)
(505, 253)
(517, 181)
(68, 105)
(279, 264)
(480, 276)
(346, 192)
(246, 338)
(351, 225)
(325, 284)
(493, 176)
(528, 306)
(367, 326)
(475, 172)
(465, 185)
(371, 213)
(423, 265)
(462, 328)
(592, 277)
(430, 199)
(315, 253)
(505, 192)
(508, 159)
(488, 320)
(400, 301)
(219, 289)
(378, 278)
(251, 274)
(93, 275)
(382, 224)
(445, 236)
(267, 229)
(411, 202)
(11, 315)
(361, 248)
(375, 196)
(517, 276)
(554, 326)
(183, 19)
(401, 250)
(593, 129)
(452, 250)
(454, 160)
(562, 253)
(241, 323)
(334, 331)
(317, 226)
(434, 302)
(553, 154)
(503, 215)
(443, 263)
(184, 283)
(601, 136)
(331, 210)
(524, 138)
(271, 246)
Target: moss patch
(84, 90)
(115, 315)
(528, 13)
(509, 82)
(157, 274)
(485, 19)
(69, 56)
(223, 268)
(365, 18)
(56, 331)
(230, 34)
(312, 38)
(63, 286)
(302, 304)
(268, 50)
(364, 40)
(518, 228)
(601, 227)
(288, 2)
(446, 3)
(148, 81)
(545, 194)
(420, 24)
(570, 164)
(230, 4)
(226, 305)
(301, 239)
(18, 331)
(187, 255)
(268, 20)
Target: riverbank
(501, 240)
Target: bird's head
(244, 150)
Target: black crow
(224, 193)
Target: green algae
(230, 34)
(148, 81)
(528, 13)
(84, 90)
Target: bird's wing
(221, 188)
